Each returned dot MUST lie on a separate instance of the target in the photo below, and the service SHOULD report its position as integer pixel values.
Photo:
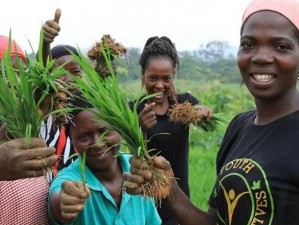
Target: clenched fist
(19, 159)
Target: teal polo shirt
(100, 208)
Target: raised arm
(50, 29)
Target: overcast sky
(188, 23)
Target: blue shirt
(100, 207)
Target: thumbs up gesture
(51, 28)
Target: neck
(109, 174)
(269, 111)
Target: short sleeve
(189, 98)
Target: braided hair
(160, 47)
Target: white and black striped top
(57, 137)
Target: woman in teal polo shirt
(101, 200)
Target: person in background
(23, 188)
(62, 54)
(159, 63)
(56, 136)
(100, 198)
(15, 50)
(257, 163)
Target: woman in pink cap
(15, 50)
(15, 163)
(257, 164)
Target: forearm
(46, 52)
(2, 133)
(186, 212)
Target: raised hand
(205, 112)
(147, 117)
(51, 28)
(18, 159)
(72, 199)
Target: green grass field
(202, 175)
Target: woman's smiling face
(158, 78)
(268, 55)
(101, 143)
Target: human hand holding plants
(147, 117)
(199, 115)
(205, 112)
(140, 173)
(22, 159)
(25, 154)
(72, 199)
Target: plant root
(185, 113)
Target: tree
(131, 62)
(213, 51)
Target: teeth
(263, 77)
(159, 94)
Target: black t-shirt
(258, 172)
(171, 140)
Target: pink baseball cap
(15, 48)
(287, 8)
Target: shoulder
(140, 103)
(187, 97)
(241, 119)
(131, 104)
(232, 133)
(72, 172)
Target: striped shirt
(57, 137)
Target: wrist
(174, 190)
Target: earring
(298, 76)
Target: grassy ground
(201, 175)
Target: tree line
(212, 61)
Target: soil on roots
(185, 113)
(158, 187)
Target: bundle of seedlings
(49, 90)
(113, 48)
(112, 107)
(188, 114)
(27, 95)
